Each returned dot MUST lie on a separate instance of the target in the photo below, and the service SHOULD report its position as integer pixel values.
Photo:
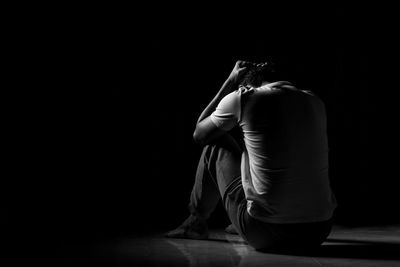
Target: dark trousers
(218, 176)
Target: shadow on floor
(335, 248)
(352, 249)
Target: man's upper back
(285, 163)
(285, 125)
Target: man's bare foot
(192, 228)
(231, 229)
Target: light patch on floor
(363, 246)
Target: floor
(361, 246)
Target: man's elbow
(196, 137)
(199, 138)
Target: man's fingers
(246, 90)
(261, 65)
(243, 64)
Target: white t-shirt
(285, 161)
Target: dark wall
(109, 145)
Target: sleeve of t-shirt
(226, 115)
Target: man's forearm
(228, 87)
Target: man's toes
(176, 233)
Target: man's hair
(258, 74)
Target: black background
(103, 140)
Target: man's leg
(218, 168)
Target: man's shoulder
(232, 96)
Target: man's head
(258, 73)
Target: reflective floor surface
(362, 246)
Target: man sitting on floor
(274, 183)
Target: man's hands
(240, 69)
(245, 90)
